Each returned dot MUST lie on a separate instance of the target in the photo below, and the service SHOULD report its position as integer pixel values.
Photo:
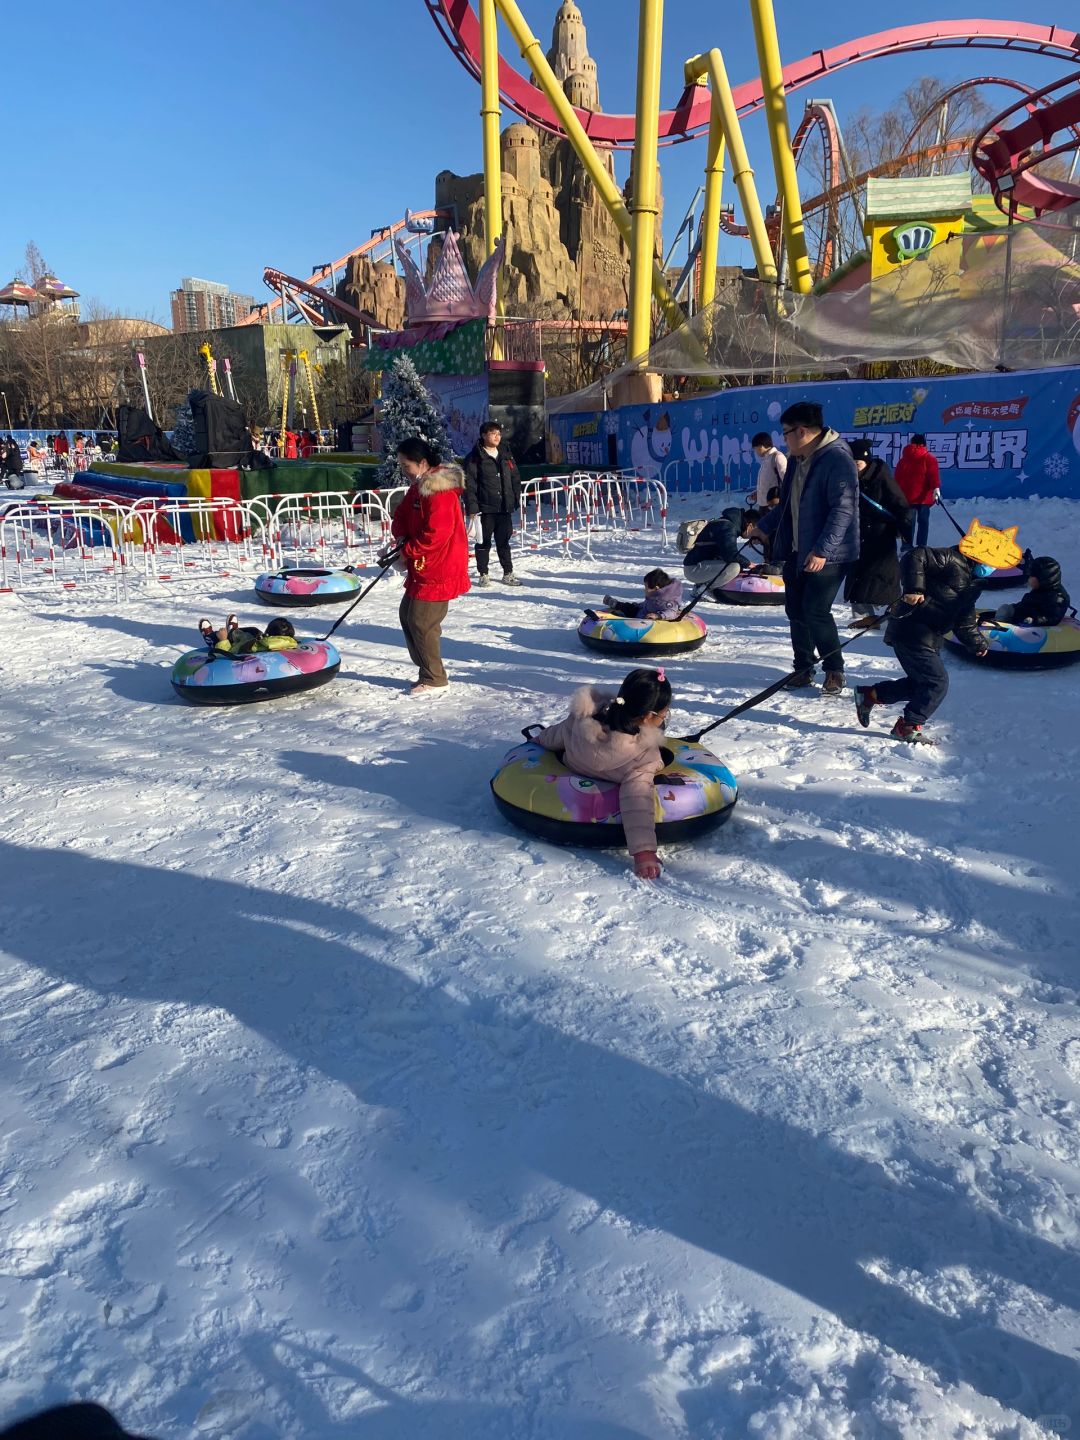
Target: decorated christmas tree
(407, 410)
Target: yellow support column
(724, 108)
(490, 115)
(644, 206)
(533, 54)
(787, 182)
(710, 217)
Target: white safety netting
(1005, 299)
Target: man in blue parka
(815, 537)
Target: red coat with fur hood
(429, 522)
(590, 748)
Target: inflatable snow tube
(307, 587)
(752, 587)
(693, 793)
(641, 639)
(1026, 647)
(205, 678)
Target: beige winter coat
(601, 754)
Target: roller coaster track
(460, 27)
(314, 285)
(1006, 155)
(910, 154)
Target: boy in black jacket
(1047, 602)
(492, 491)
(940, 591)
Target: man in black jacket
(940, 591)
(492, 491)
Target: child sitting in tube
(663, 599)
(618, 737)
(1047, 602)
(234, 639)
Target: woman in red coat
(430, 527)
(918, 476)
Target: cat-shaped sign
(987, 546)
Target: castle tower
(569, 57)
(520, 146)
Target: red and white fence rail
(52, 544)
(59, 546)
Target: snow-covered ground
(333, 1106)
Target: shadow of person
(138, 683)
(186, 637)
(748, 1187)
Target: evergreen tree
(183, 431)
(407, 410)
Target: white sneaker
(483, 581)
(510, 578)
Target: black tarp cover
(140, 439)
(222, 438)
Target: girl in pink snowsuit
(618, 737)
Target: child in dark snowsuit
(663, 599)
(940, 591)
(232, 639)
(1047, 602)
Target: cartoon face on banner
(650, 445)
(1074, 423)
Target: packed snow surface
(334, 1106)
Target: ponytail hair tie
(619, 700)
(661, 676)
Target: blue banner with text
(1005, 435)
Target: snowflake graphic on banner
(1056, 467)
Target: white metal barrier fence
(543, 517)
(59, 545)
(47, 542)
(616, 503)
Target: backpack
(689, 530)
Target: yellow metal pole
(787, 182)
(532, 53)
(490, 116)
(710, 218)
(723, 101)
(643, 205)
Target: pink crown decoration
(450, 295)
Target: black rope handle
(390, 556)
(779, 684)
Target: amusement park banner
(1005, 435)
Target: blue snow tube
(208, 677)
(307, 587)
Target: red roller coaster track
(460, 27)
(1006, 155)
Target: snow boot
(801, 680)
(865, 700)
(834, 683)
(912, 734)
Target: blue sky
(214, 139)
